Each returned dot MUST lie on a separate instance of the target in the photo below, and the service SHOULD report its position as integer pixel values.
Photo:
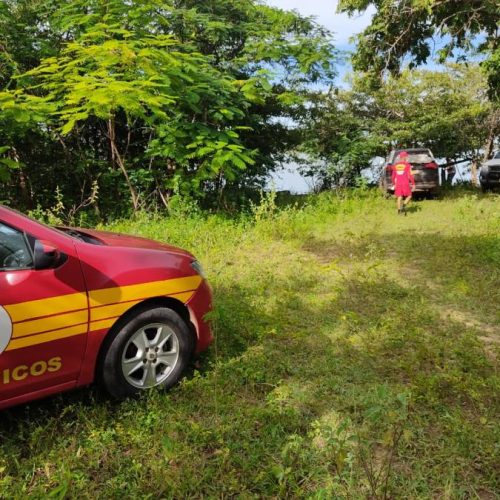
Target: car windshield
(497, 156)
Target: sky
(343, 28)
(324, 11)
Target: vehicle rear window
(420, 158)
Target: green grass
(356, 355)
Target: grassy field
(357, 355)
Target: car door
(43, 314)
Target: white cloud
(324, 11)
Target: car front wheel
(152, 349)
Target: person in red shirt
(402, 178)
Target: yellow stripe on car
(46, 307)
(112, 311)
(66, 315)
(46, 337)
(101, 325)
(128, 293)
(50, 323)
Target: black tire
(133, 344)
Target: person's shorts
(402, 190)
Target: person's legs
(399, 201)
(405, 203)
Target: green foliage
(153, 97)
(337, 143)
(447, 111)
(492, 69)
(402, 30)
(6, 164)
(107, 71)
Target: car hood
(125, 240)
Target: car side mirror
(46, 255)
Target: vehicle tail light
(431, 164)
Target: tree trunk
(117, 158)
(493, 128)
(488, 148)
(473, 172)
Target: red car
(81, 305)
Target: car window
(14, 249)
(419, 158)
(497, 156)
(414, 155)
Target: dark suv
(423, 167)
(489, 175)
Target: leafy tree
(447, 111)
(402, 29)
(173, 96)
(108, 74)
(338, 143)
(25, 36)
(150, 82)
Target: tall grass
(356, 356)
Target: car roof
(394, 152)
(412, 150)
